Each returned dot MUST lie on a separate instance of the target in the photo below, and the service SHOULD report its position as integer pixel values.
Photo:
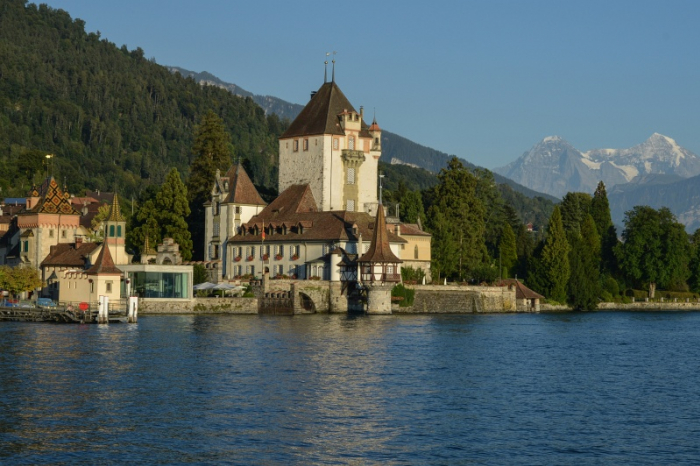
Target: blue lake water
(590, 388)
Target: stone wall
(199, 305)
(437, 299)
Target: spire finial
(325, 69)
(333, 76)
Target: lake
(573, 388)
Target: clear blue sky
(482, 80)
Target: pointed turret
(379, 263)
(104, 265)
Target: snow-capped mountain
(555, 167)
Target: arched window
(119, 231)
(111, 231)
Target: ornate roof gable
(54, 202)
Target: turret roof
(379, 249)
(104, 265)
(54, 201)
(115, 213)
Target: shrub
(403, 295)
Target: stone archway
(306, 302)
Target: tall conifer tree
(508, 251)
(600, 211)
(212, 150)
(555, 258)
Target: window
(238, 209)
(92, 286)
(306, 144)
(119, 231)
(335, 143)
(50, 233)
(108, 287)
(26, 246)
(415, 252)
(63, 233)
(351, 176)
(351, 143)
(295, 145)
(111, 231)
(350, 207)
(217, 227)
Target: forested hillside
(112, 118)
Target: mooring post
(103, 310)
(133, 304)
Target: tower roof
(320, 116)
(104, 265)
(241, 188)
(53, 202)
(379, 249)
(115, 213)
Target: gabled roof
(296, 206)
(241, 188)
(521, 291)
(320, 116)
(68, 255)
(104, 264)
(379, 250)
(295, 199)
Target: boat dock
(74, 313)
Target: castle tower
(115, 232)
(331, 148)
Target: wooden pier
(67, 314)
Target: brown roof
(521, 291)
(408, 229)
(379, 250)
(241, 188)
(320, 116)
(104, 265)
(296, 206)
(68, 255)
(101, 197)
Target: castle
(325, 218)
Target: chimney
(313, 93)
(362, 112)
(398, 229)
(78, 241)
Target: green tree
(145, 226)
(574, 208)
(555, 258)
(600, 211)
(655, 249)
(508, 251)
(584, 260)
(694, 266)
(173, 208)
(212, 150)
(199, 274)
(457, 217)
(19, 279)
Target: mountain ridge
(397, 150)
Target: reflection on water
(573, 388)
